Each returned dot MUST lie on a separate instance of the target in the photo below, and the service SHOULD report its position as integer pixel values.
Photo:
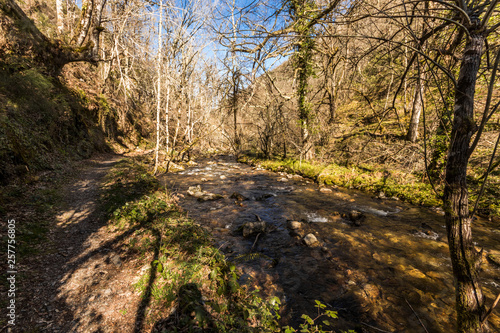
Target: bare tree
(416, 110)
(463, 30)
(52, 53)
(158, 91)
(60, 16)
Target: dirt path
(83, 282)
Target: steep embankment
(42, 122)
(50, 114)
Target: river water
(381, 263)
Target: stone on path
(116, 260)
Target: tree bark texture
(418, 103)
(87, 9)
(464, 257)
(30, 42)
(97, 29)
(158, 93)
(234, 105)
(60, 16)
(304, 54)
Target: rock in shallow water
(294, 225)
(356, 217)
(196, 192)
(237, 196)
(310, 240)
(325, 190)
(251, 228)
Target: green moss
(393, 183)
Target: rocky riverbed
(381, 263)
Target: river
(381, 263)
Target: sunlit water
(382, 271)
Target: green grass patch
(410, 187)
(393, 183)
(489, 203)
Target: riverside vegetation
(377, 179)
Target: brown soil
(84, 280)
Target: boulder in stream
(176, 167)
(264, 196)
(310, 240)
(294, 225)
(238, 197)
(325, 190)
(196, 192)
(252, 228)
(296, 229)
(356, 217)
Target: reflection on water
(373, 259)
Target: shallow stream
(381, 263)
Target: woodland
(396, 98)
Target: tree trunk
(60, 16)
(87, 9)
(304, 54)
(464, 257)
(234, 102)
(235, 121)
(167, 108)
(418, 102)
(48, 53)
(331, 106)
(97, 29)
(303, 65)
(158, 95)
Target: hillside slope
(47, 118)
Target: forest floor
(80, 280)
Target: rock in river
(251, 228)
(238, 197)
(310, 240)
(356, 217)
(325, 190)
(196, 192)
(294, 225)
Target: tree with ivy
(300, 13)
